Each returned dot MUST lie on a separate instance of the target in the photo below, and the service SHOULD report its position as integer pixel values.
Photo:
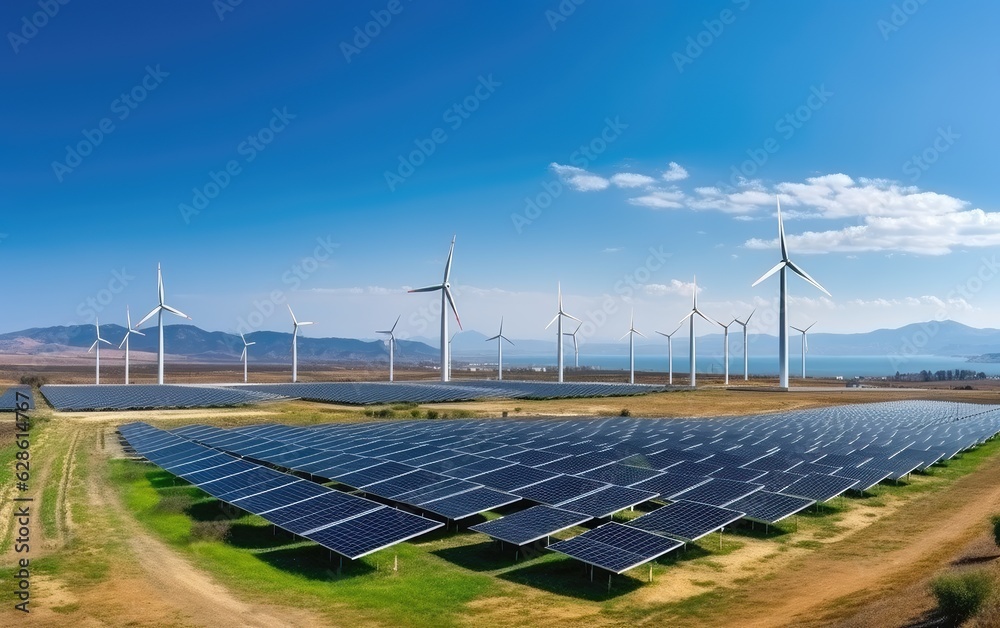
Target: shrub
(415, 413)
(33, 380)
(960, 596)
(625, 412)
(517, 408)
(173, 504)
(432, 414)
(995, 520)
(217, 530)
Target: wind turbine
(445, 288)
(559, 332)
(295, 343)
(97, 345)
(245, 355)
(159, 310)
(576, 346)
(746, 359)
(725, 349)
(670, 352)
(632, 331)
(784, 264)
(690, 315)
(128, 332)
(392, 344)
(805, 346)
(500, 338)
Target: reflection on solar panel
(371, 475)
(867, 476)
(670, 484)
(478, 467)
(770, 508)
(513, 477)
(530, 525)
(620, 474)
(608, 501)
(738, 473)
(9, 400)
(688, 521)
(776, 481)
(820, 487)
(76, 398)
(615, 547)
(393, 487)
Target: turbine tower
(576, 346)
(559, 332)
(445, 288)
(725, 348)
(670, 353)
(392, 345)
(159, 310)
(295, 343)
(128, 332)
(97, 345)
(783, 265)
(632, 331)
(500, 338)
(245, 355)
(690, 315)
(805, 346)
(746, 359)
(451, 340)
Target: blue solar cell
(468, 503)
(371, 532)
(533, 524)
(615, 547)
(607, 501)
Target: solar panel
(527, 526)
(468, 503)
(414, 480)
(77, 397)
(669, 484)
(819, 487)
(371, 475)
(867, 476)
(371, 532)
(620, 474)
(688, 521)
(608, 501)
(514, 477)
(718, 492)
(478, 467)
(770, 508)
(559, 489)
(320, 512)
(446, 488)
(615, 547)
(10, 400)
(738, 473)
(776, 481)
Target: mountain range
(943, 338)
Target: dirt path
(880, 560)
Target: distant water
(816, 365)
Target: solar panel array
(370, 393)
(89, 397)
(348, 525)
(760, 468)
(9, 398)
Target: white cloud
(674, 172)
(631, 180)
(579, 179)
(612, 249)
(675, 286)
(660, 199)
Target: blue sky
(655, 135)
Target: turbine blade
(427, 289)
(508, 340)
(639, 332)
(176, 311)
(626, 334)
(805, 275)
(122, 344)
(104, 341)
(244, 354)
(751, 316)
(92, 347)
(493, 338)
(707, 318)
(447, 266)
(159, 282)
(148, 316)
(136, 331)
(686, 316)
(294, 322)
(451, 302)
(573, 317)
(128, 317)
(554, 319)
(775, 269)
(781, 232)
(393, 328)
(810, 326)
(301, 323)
(251, 343)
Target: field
(116, 542)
